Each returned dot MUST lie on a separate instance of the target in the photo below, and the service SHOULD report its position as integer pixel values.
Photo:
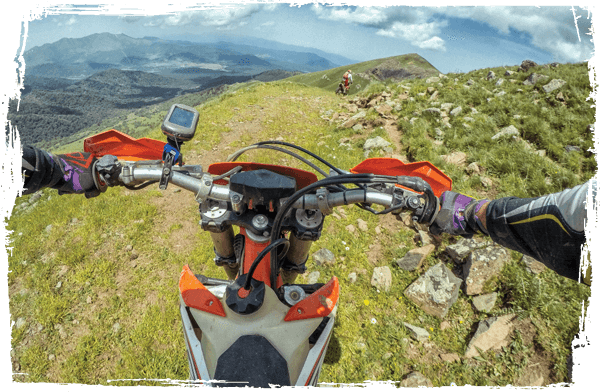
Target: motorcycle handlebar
(204, 188)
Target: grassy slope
(330, 79)
(71, 332)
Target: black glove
(77, 174)
(457, 215)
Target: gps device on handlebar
(180, 123)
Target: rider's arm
(548, 228)
(69, 173)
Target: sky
(453, 39)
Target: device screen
(182, 117)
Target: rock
(469, 119)
(473, 168)
(377, 229)
(450, 357)
(532, 377)
(541, 153)
(444, 325)
(447, 106)
(534, 78)
(487, 182)
(387, 356)
(434, 111)
(526, 65)
(362, 225)
(358, 127)
(35, 197)
(456, 111)
(456, 158)
(463, 248)
(425, 238)
(61, 331)
(382, 278)
(490, 76)
(313, 277)
(63, 270)
(470, 82)
(560, 96)
(553, 85)
(352, 277)
(351, 229)
(384, 109)
(482, 265)
(506, 131)
(116, 327)
(88, 299)
(532, 265)
(355, 119)
(499, 82)
(48, 228)
(324, 257)
(20, 323)
(352, 108)
(509, 73)
(501, 93)
(485, 302)
(376, 142)
(474, 111)
(416, 379)
(434, 96)
(492, 334)
(435, 291)
(415, 257)
(572, 148)
(58, 285)
(433, 79)
(417, 333)
(51, 357)
(129, 248)
(133, 256)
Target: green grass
(102, 286)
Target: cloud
(552, 29)
(422, 35)
(411, 24)
(222, 17)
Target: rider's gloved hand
(458, 215)
(78, 175)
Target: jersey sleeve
(550, 228)
(39, 170)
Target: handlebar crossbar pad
(123, 146)
(303, 178)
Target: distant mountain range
(78, 58)
(75, 82)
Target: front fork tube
(297, 254)
(223, 243)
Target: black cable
(304, 160)
(142, 186)
(339, 179)
(323, 161)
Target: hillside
(52, 111)
(93, 282)
(408, 66)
